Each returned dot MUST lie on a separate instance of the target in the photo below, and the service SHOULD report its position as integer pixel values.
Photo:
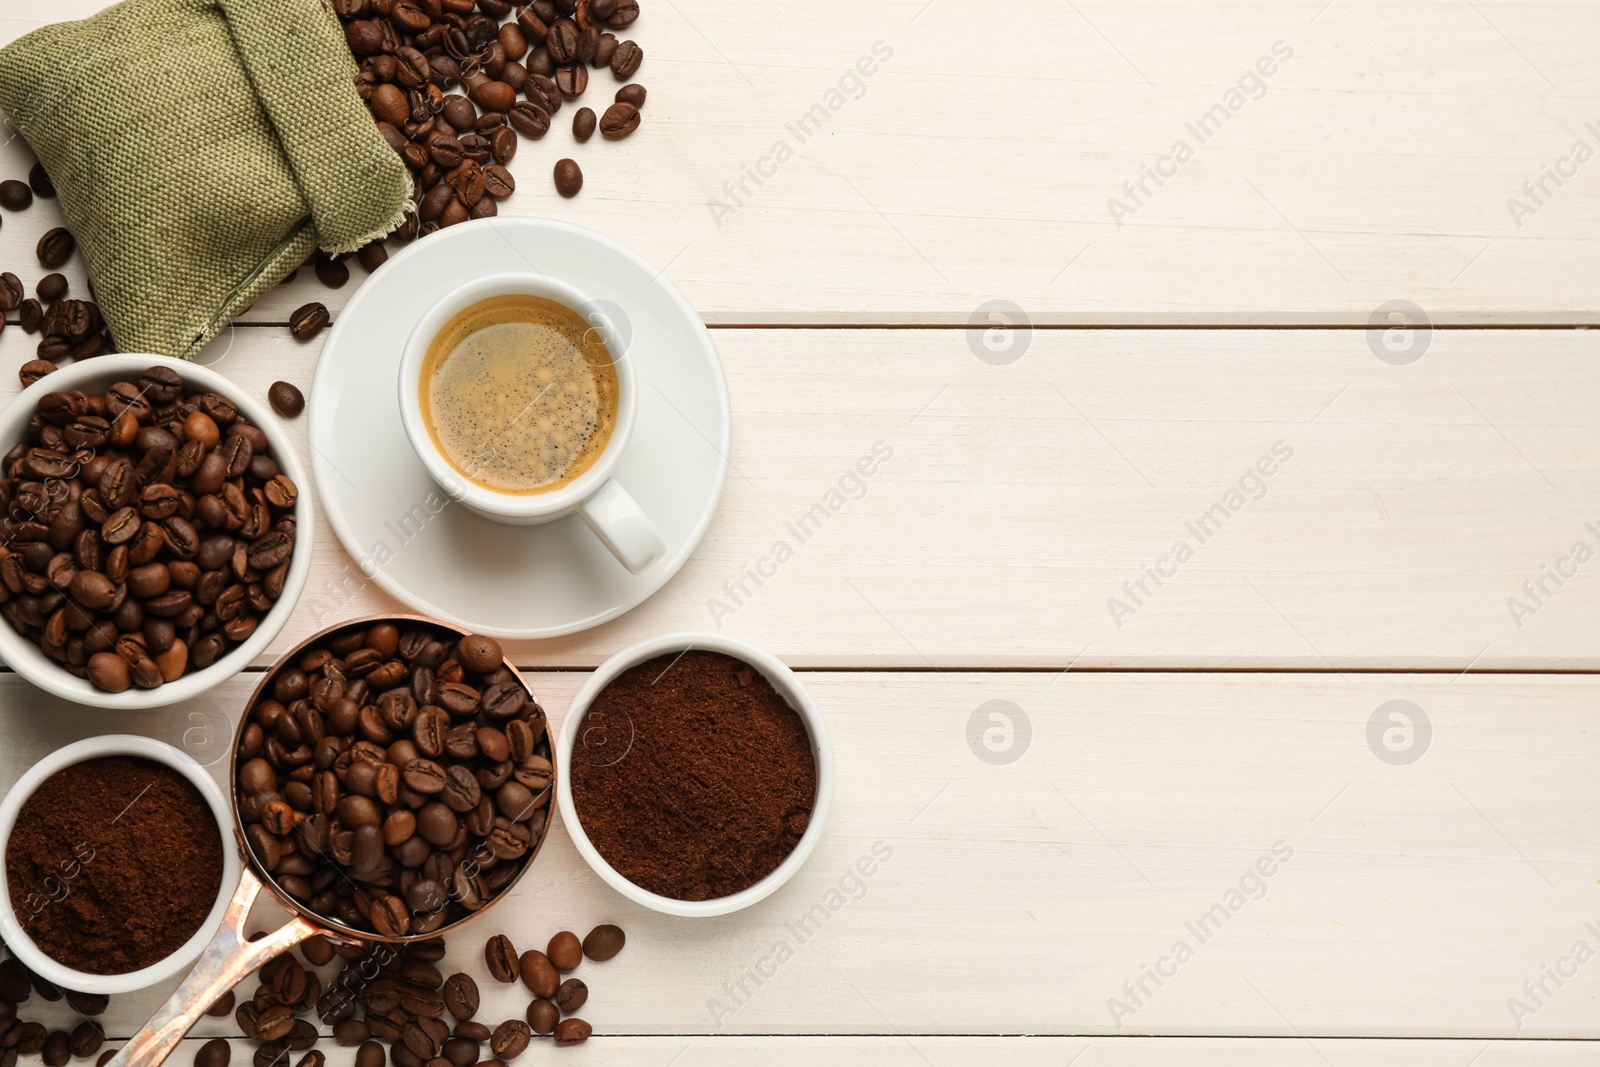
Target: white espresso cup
(594, 495)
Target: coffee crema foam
(519, 394)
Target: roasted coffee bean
(572, 80)
(572, 995)
(626, 59)
(331, 271)
(308, 320)
(351, 1032)
(502, 959)
(51, 287)
(632, 94)
(538, 974)
(498, 182)
(86, 1039)
(568, 178)
(40, 182)
(57, 1049)
(461, 996)
(604, 942)
(529, 119)
(510, 1039)
(214, 1053)
(571, 1032)
(542, 1016)
(370, 1054)
(35, 369)
(11, 292)
(15, 195)
(31, 315)
(583, 125)
(286, 399)
(89, 1004)
(565, 952)
(619, 121)
(55, 247)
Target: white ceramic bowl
(95, 375)
(180, 961)
(784, 681)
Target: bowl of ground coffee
(695, 774)
(116, 871)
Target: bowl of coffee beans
(156, 531)
(695, 774)
(393, 777)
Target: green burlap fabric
(201, 149)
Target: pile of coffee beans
(147, 529)
(453, 83)
(392, 1003)
(395, 778)
(20, 1037)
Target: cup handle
(623, 527)
(228, 960)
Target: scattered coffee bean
(86, 1039)
(223, 1007)
(502, 959)
(40, 182)
(510, 1039)
(15, 195)
(31, 315)
(56, 247)
(35, 369)
(370, 1054)
(349, 1033)
(373, 256)
(331, 271)
(568, 178)
(57, 1049)
(565, 951)
(542, 1016)
(571, 1032)
(52, 287)
(214, 1053)
(461, 997)
(583, 124)
(89, 1004)
(11, 292)
(572, 995)
(631, 94)
(604, 942)
(106, 1057)
(626, 59)
(308, 320)
(619, 120)
(539, 975)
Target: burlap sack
(201, 149)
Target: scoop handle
(228, 960)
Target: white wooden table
(1428, 873)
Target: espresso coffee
(519, 394)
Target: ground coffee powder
(692, 776)
(113, 864)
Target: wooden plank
(981, 158)
(775, 1051)
(1020, 499)
(1321, 888)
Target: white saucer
(441, 559)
